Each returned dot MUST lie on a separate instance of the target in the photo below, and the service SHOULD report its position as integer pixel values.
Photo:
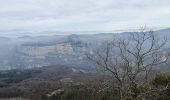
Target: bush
(10, 92)
(161, 80)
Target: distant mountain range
(28, 51)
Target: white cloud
(82, 15)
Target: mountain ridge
(30, 52)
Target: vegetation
(131, 61)
(129, 67)
(15, 76)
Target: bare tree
(130, 59)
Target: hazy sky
(82, 15)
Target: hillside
(35, 83)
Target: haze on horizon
(82, 15)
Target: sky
(82, 15)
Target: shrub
(161, 80)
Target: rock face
(31, 53)
(58, 53)
(66, 81)
(55, 93)
(62, 48)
